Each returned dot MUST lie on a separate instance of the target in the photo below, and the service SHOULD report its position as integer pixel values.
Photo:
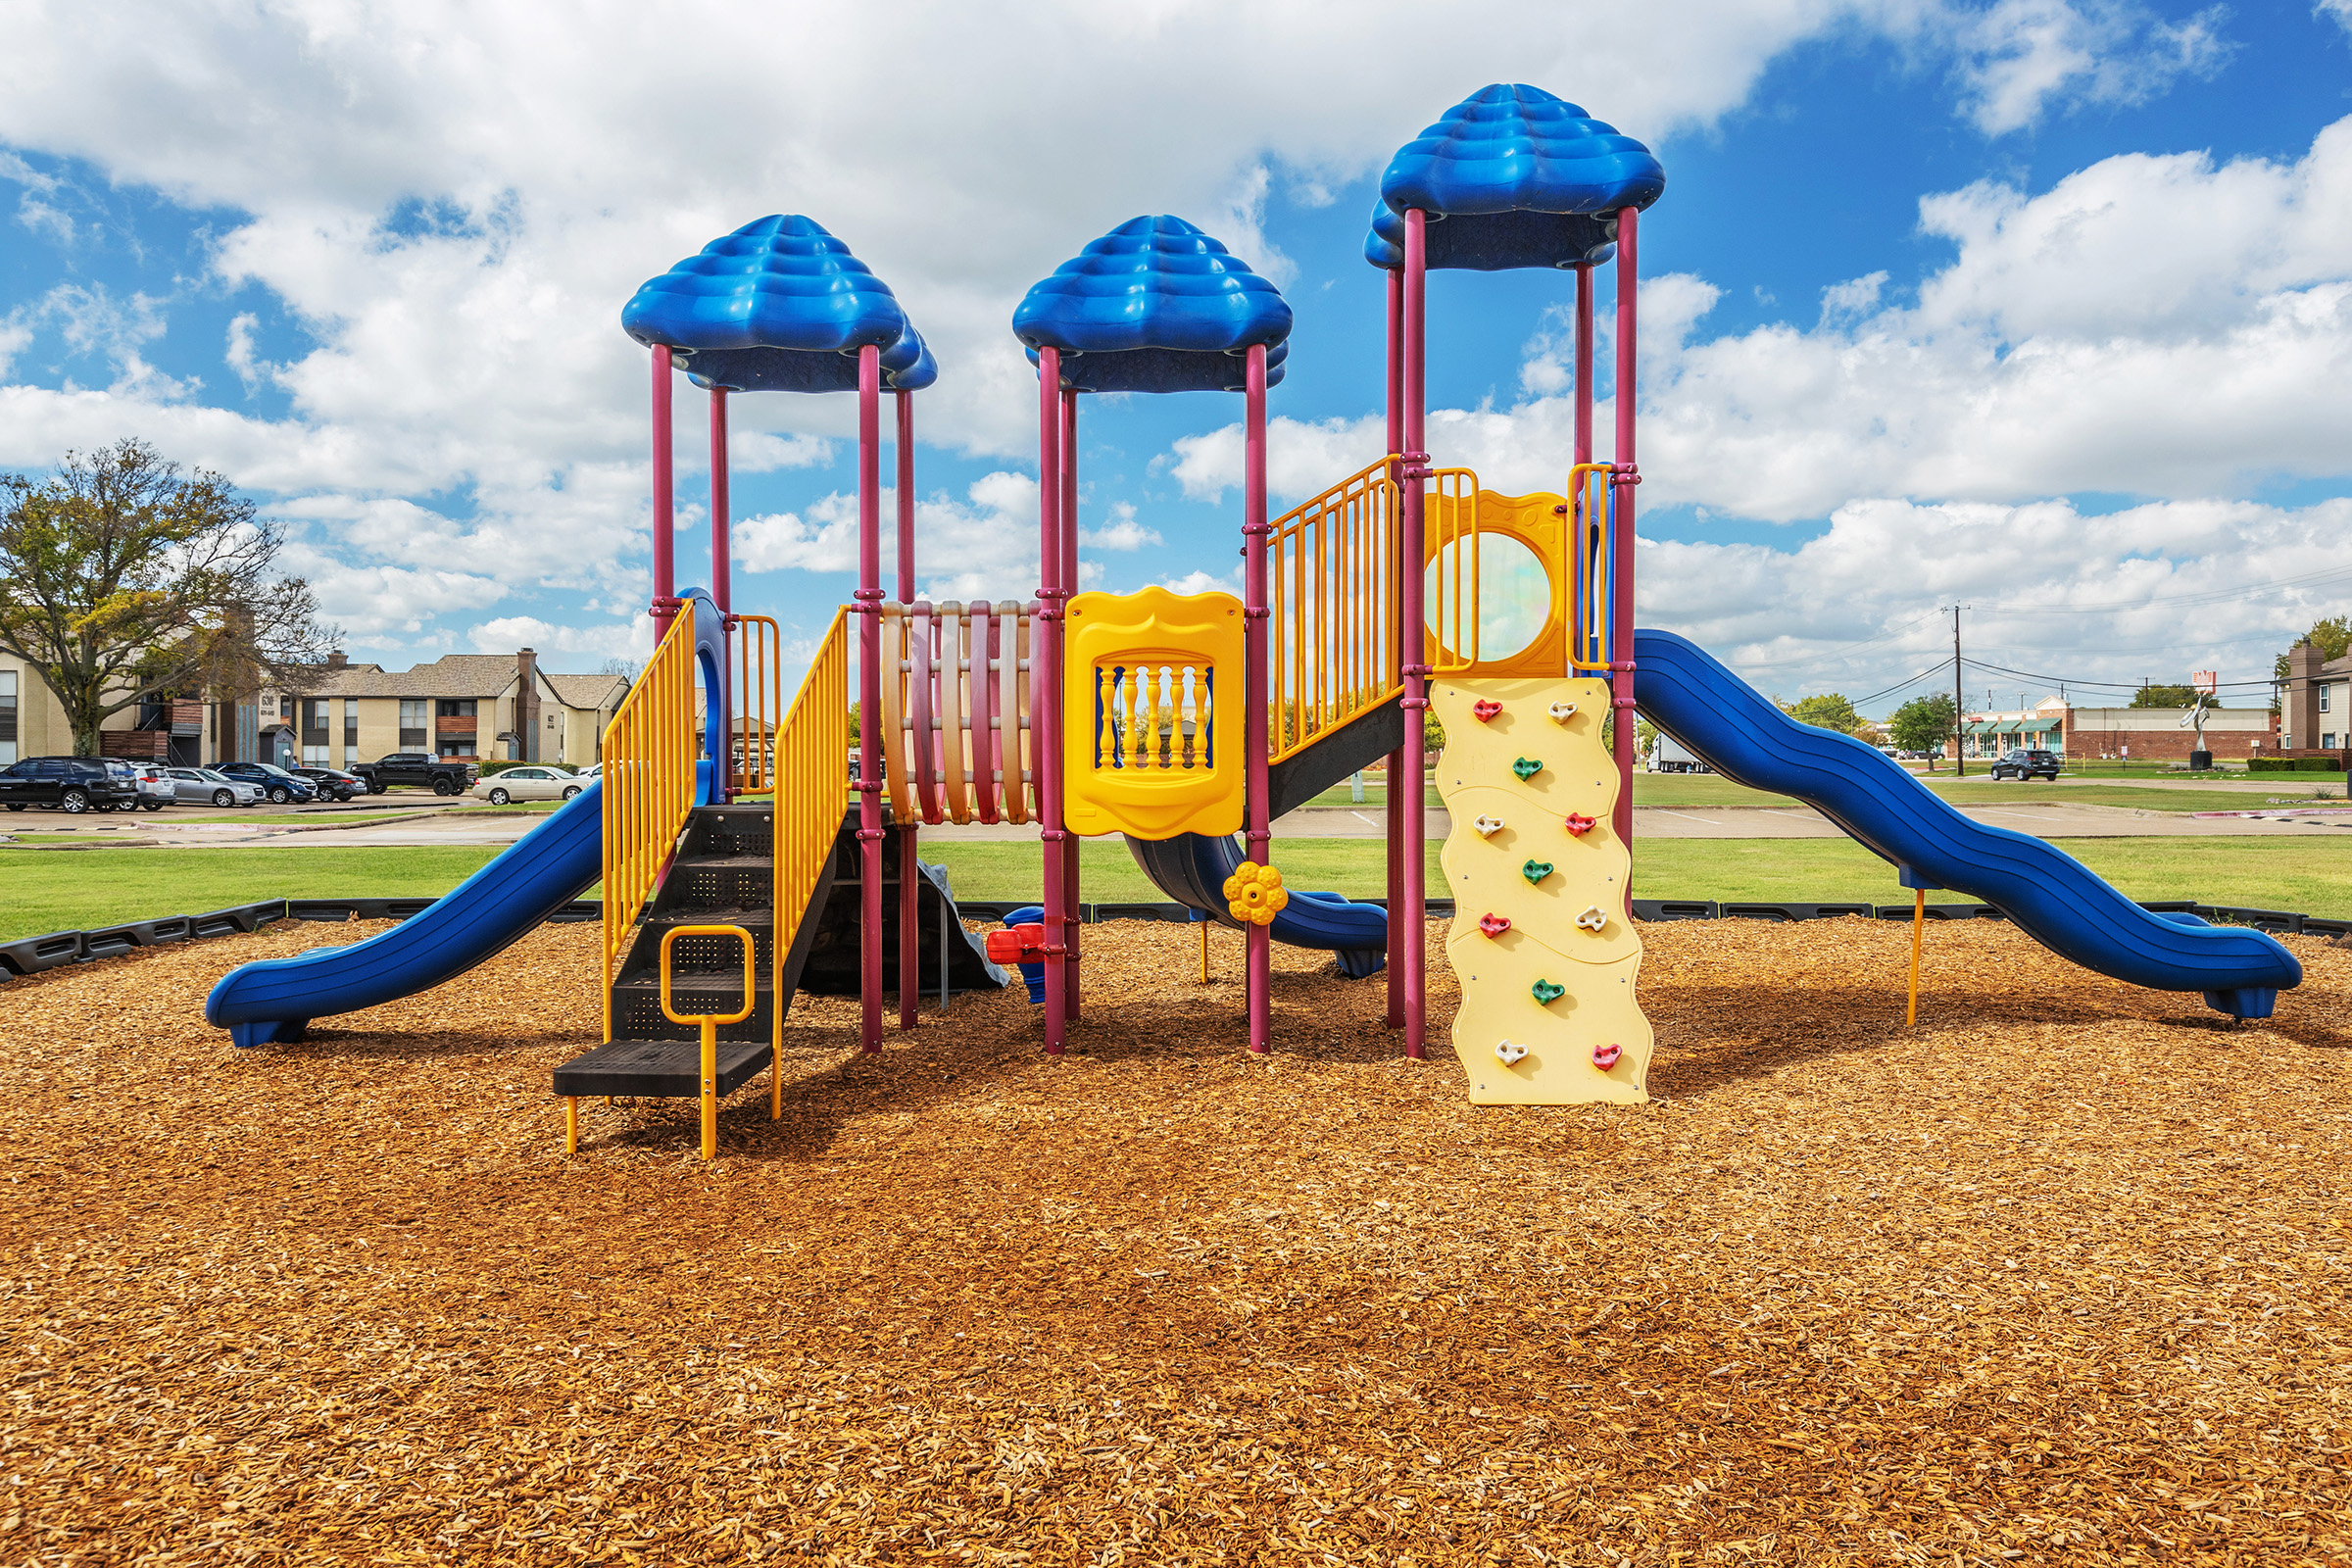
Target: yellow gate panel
(1152, 714)
(1458, 520)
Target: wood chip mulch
(2058, 1277)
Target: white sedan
(527, 784)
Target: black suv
(2022, 766)
(279, 787)
(71, 784)
(334, 783)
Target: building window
(456, 707)
(2324, 691)
(314, 756)
(414, 716)
(8, 716)
(456, 746)
(2327, 740)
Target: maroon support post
(721, 595)
(1044, 686)
(910, 942)
(665, 577)
(1255, 751)
(1583, 365)
(1070, 890)
(1391, 814)
(1624, 477)
(1414, 639)
(869, 695)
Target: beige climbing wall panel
(1548, 1015)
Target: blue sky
(2039, 306)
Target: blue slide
(2051, 895)
(553, 864)
(1191, 869)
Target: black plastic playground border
(33, 955)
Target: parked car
(452, 776)
(592, 770)
(2022, 765)
(528, 784)
(201, 786)
(71, 784)
(333, 783)
(279, 786)
(154, 781)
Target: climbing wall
(1547, 958)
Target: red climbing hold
(1606, 1056)
(1486, 707)
(1581, 826)
(1493, 925)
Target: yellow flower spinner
(1255, 893)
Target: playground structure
(737, 869)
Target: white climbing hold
(1592, 919)
(1508, 1055)
(1562, 712)
(1487, 826)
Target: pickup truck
(420, 768)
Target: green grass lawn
(2142, 797)
(52, 890)
(2314, 876)
(64, 890)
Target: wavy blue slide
(1191, 869)
(2051, 895)
(553, 864)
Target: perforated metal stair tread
(669, 1069)
(702, 981)
(691, 862)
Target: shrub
(501, 764)
(2294, 765)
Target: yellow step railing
(758, 674)
(812, 786)
(648, 787)
(1332, 593)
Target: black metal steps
(669, 1069)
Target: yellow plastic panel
(1567, 923)
(1451, 540)
(1152, 712)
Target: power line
(1937, 669)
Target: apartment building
(2316, 704)
(474, 705)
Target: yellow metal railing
(811, 784)
(1589, 642)
(648, 787)
(1155, 717)
(1332, 595)
(710, 1022)
(1450, 534)
(759, 703)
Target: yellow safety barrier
(1459, 519)
(1588, 629)
(648, 787)
(711, 1020)
(1331, 590)
(1153, 714)
(812, 750)
(759, 703)
(955, 717)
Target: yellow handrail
(648, 787)
(1588, 629)
(811, 784)
(759, 703)
(710, 1022)
(1332, 594)
(1448, 522)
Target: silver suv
(156, 789)
(199, 786)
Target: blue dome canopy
(778, 306)
(1518, 149)
(1154, 306)
(1494, 242)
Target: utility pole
(1959, 755)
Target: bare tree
(122, 579)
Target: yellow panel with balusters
(1152, 714)
(1540, 941)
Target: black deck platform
(663, 1069)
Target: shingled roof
(586, 691)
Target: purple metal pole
(1070, 890)
(910, 942)
(1045, 687)
(869, 696)
(1254, 752)
(722, 593)
(1583, 364)
(1393, 812)
(1414, 640)
(666, 578)
(1621, 540)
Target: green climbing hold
(1535, 870)
(1548, 993)
(1527, 768)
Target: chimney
(2300, 702)
(337, 660)
(526, 704)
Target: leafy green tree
(2165, 697)
(122, 579)
(1830, 711)
(1923, 723)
